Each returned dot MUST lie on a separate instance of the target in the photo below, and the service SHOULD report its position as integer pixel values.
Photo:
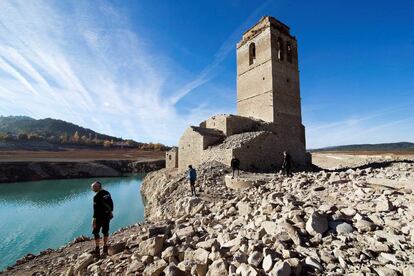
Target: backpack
(107, 203)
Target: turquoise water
(47, 214)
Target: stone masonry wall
(256, 153)
(190, 149)
(193, 143)
(231, 124)
(171, 158)
(254, 81)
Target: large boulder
(364, 225)
(152, 246)
(312, 263)
(173, 270)
(135, 266)
(270, 227)
(192, 267)
(246, 270)
(255, 258)
(199, 255)
(292, 233)
(208, 244)
(189, 206)
(159, 230)
(82, 263)
(317, 224)
(282, 268)
(155, 268)
(244, 208)
(218, 267)
(116, 248)
(185, 232)
(169, 252)
(344, 228)
(268, 263)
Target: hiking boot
(96, 251)
(105, 250)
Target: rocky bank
(351, 222)
(30, 171)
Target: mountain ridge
(23, 124)
(23, 132)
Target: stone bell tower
(267, 74)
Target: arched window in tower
(289, 52)
(280, 52)
(252, 53)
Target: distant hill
(401, 146)
(46, 128)
(22, 132)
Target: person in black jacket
(235, 165)
(103, 207)
(286, 164)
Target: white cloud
(384, 126)
(82, 62)
(68, 63)
(227, 46)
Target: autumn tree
(157, 147)
(107, 144)
(76, 137)
(64, 138)
(34, 136)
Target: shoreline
(275, 225)
(25, 171)
(70, 196)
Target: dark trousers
(101, 223)
(234, 170)
(193, 190)
(286, 171)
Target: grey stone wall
(268, 105)
(171, 158)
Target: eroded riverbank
(30, 171)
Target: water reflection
(41, 214)
(47, 192)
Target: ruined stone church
(268, 119)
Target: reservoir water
(38, 215)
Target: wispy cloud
(228, 46)
(63, 61)
(384, 125)
(82, 62)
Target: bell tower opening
(252, 53)
(279, 46)
(268, 75)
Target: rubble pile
(314, 223)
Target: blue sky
(148, 69)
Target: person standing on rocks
(235, 165)
(192, 176)
(103, 207)
(286, 164)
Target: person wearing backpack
(103, 207)
(192, 176)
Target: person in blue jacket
(192, 176)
